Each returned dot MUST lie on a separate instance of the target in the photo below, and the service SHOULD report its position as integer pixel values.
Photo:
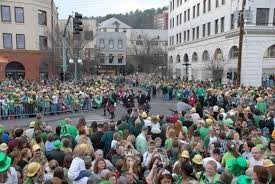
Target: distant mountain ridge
(137, 19)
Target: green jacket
(261, 106)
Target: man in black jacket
(57, 154)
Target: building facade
(204, 33)
(147, 49)
(111, 46)
(161, 21)
(27, 34)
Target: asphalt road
(158, 106)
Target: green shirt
(168, 144)
(226, 157)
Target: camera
(160, 165)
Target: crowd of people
(215, 135)
(21, 99)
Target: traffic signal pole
(64, 48)
(240, 43)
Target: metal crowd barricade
(24, 110)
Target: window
(222, 24)
(19, 14)
(205, 56)
(20, 41)
(195, 57)
(177, 20)
(262, 16)
(170, 6)
(6, 13)
(216, 26)
(274, 18)
(209, 28)
(184, 36)
(188, 14)
(232, 21)
(184, 16)
(270, 52)
(204, 6)
(209, 5)
(102, 58)
(102, 43)
(223, 2)
(111, 58)
(173, 40)
(180, 18)
(188, 35)
(193, 33)
(180, 37)
(120, 58)
(111, 44)
(177, 38)
(194, 12)
(173, 4)
(217, 3)
(42, 17)
(120, 44)
(173, 22)
(198, 9)
(198, 32)
(139, 42)
(116, 29)
(7, 40)
(43, 42)
(203, 30)
(233, 53)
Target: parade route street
(158, 106)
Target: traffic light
(229, 75)
(77, 23)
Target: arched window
(15, 70)
(195, 57)
(185, 58)
(270, 53)
(218, 56)
(171, 59)
(233, 53)
(205, 56)
(178, 58)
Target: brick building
(27, 34)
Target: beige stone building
(28, 37)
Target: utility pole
(240, 43)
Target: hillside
(137, 19)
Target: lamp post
(79, 61)
(186, 64)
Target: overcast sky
(102, 7)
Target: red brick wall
(31, 60)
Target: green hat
(243, 179)
(105, 182)
(72, 130)
(229, 122)
(57, 144)
(5, 162)
(236, 166)
(120, 132)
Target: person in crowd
(34, 173)
(56, 153)
(8, 173)
(141, 141)
(256, 157)
(210, 175)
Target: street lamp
(79, 61)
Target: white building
(204, 31)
